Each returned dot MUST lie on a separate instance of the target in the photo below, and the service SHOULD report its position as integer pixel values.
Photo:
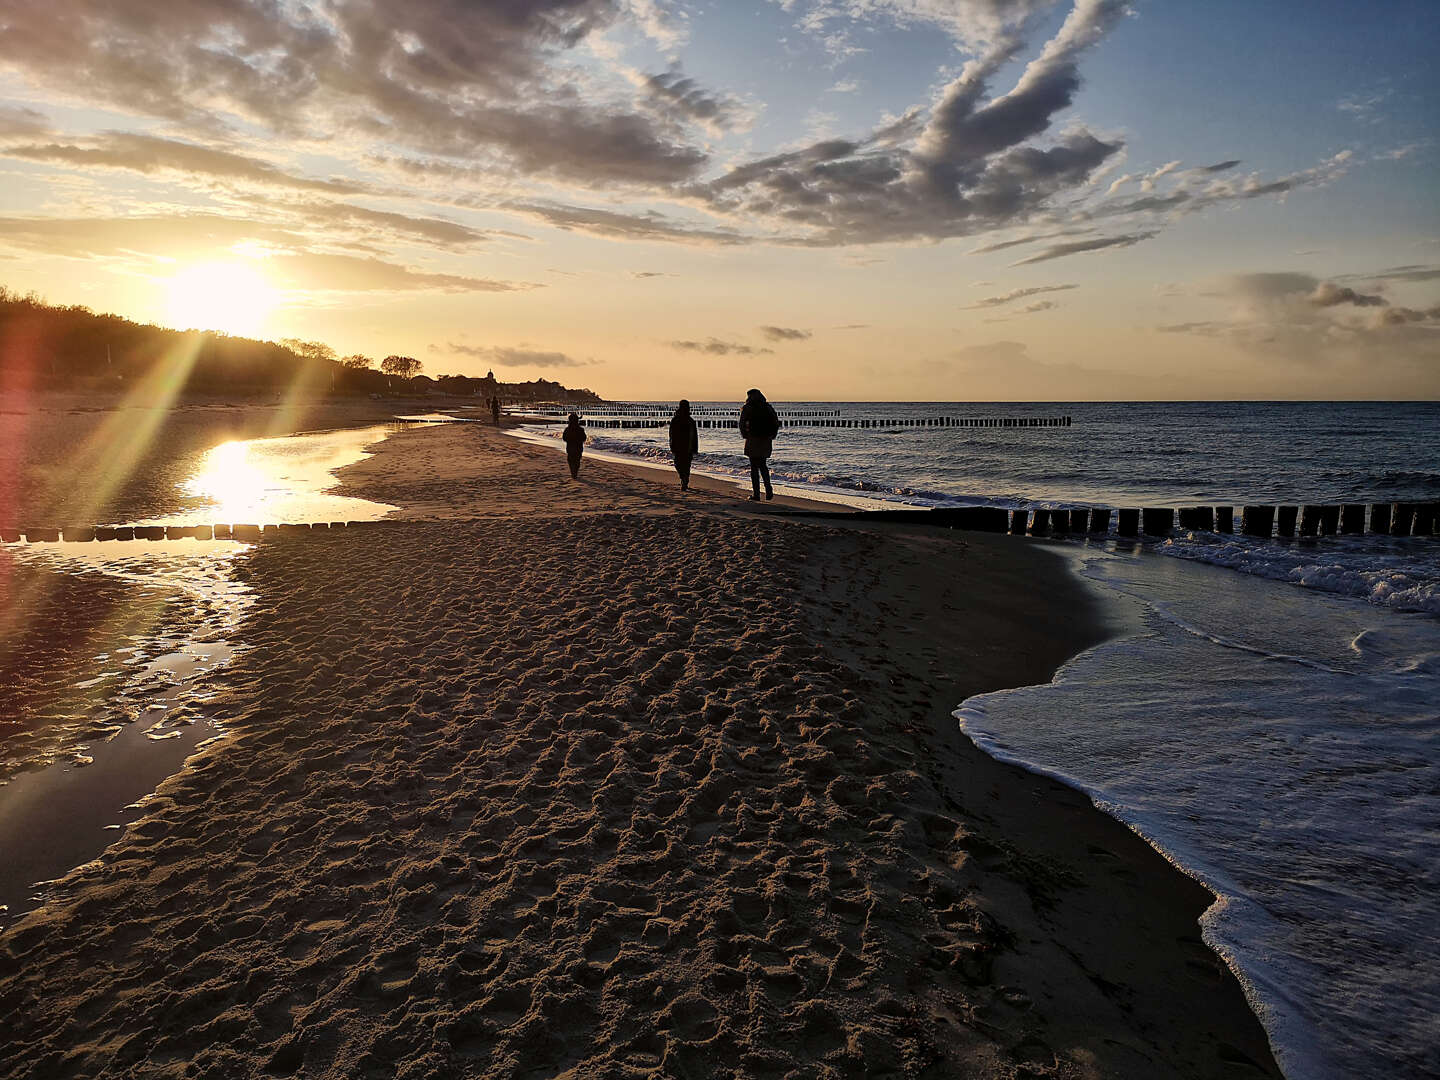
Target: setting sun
(232, 298)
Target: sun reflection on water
(231, 481)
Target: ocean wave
(1380, 572)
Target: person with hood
(574, 437)
(684, 442)
(758, 426)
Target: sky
(829, 199)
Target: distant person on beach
(495, 409)
(684, 442)
(758, 426)
(574, 444)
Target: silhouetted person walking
(574, 445)
(684, 442)
(495, 409)
(759, 425)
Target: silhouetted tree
(406, 367)
(356, 362)
(310, 350)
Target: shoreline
(595, 775)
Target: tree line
(73, 348)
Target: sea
(1272, 723)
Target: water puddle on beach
(1278, 743)
(285, 479)
(113, 646)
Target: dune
(554, 778)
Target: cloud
(1208, 329)
(163, 239)
(516, 356)
(716, 347)
(1399, 316)
(1414, 272)
(154, 236)
(854, 326)
(19, 121)
(439, 232)
(972, 23)
(447, 77)
(972, 166)
(1364, 108)
(1017, 294)
(678, 95)
(1312, 325)
(1078, 247)
(621, 226)
(148, 154)
(644, 274)
(476, 102)
(348, 273)
(784, 333)
(1328, 294)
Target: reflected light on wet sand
(229, 480)
(289, 479)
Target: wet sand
(594, 779)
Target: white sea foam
(1403, 574)
(1280, 745)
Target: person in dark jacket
(574, 437)
(684, 442)
(758, 425)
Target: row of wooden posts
(668, 411)
(71, 534)
(879, 423)
(1349, 519)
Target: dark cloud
(716, 347)
(517, 356)
(475, 97)
(1078, 247)
(971, 168)
(679, 95)
(1018, 294)
(1400, 316)
(644, 274)
(448, 77)
(149, 154)
(784, 333)
(1328, 294)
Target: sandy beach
(588, 778)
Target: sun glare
(229, 297)
(230, 480)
